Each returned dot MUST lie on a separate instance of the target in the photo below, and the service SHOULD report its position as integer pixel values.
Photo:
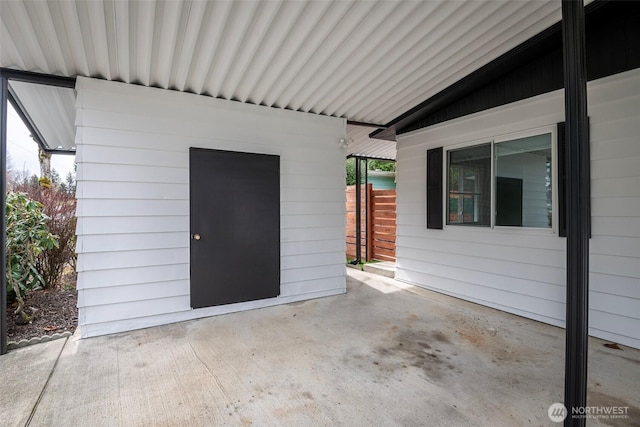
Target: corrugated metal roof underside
(52, 112)
(367, 61)
(359, 144)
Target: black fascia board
(365, 124)
(387, 133)
(39, 78)
(519, 56)
(359, 156)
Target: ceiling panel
(367, 61)
(50, 111)
(359, 144)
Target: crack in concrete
(215, 378)
(46, 384)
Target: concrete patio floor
(383, 354)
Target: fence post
(369, 222)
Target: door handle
(195, 236)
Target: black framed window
(523, 186)
(469, 185)
(508, 182)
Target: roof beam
(365, 124)
(39, 78)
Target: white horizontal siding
(105, 296)
(131, 173)
(129, 259)
(616, 187)
(493, 267)
(614, 300)
(311, 260)
(156, 224)
(133, 199)
(130, 208)
(96, 243)
(111, 278)
(132, 309)
(133, 190)
(523, 271)
(315, 246)
(312, 221)
(616, 226)
(315, 234)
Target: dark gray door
(235, 226)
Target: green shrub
(60, 207)
(27, 237)
(59, 204)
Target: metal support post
(358, 210)
(578, 209)
(4, 90)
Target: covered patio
(306, 84)
(386, 353)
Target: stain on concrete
(492, 341)
(414, 348)
(298, 303)
(440, 337)
(296, 410)
(177, 331)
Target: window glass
(523, 182)
(469, 186)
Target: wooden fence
(378, 240)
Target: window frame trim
(445, 181)
(541, 130)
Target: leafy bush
(59, 204)
(27, 238)
(351, 171)
(372, 165)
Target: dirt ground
(51, 310)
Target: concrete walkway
(384, 354)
